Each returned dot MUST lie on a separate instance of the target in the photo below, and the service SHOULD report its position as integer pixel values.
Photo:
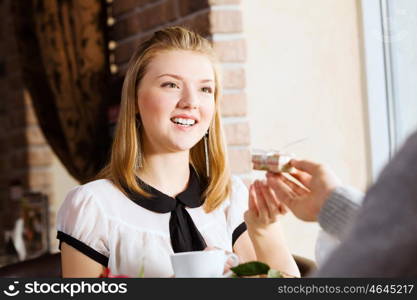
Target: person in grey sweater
(379, 238)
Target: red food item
(107, 274)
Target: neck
(167, 172)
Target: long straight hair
(121, 169)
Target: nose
(189, 98)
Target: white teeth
(182, 121)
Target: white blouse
(103, 223)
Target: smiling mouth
(184, 122)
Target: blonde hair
(122, 165)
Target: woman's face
(176, 100)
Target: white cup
(209, 263)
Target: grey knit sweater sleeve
(383, 239)
(339, 211)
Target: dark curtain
(63, 50)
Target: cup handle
(234, 258)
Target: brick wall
(135, 21)
(227, 35)
(24, 153)
(219, 20)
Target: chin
(181, 148)
(184, 145)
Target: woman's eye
(170, 85)
(207, 89)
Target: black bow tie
(184, 234)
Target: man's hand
(306, 199)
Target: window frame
(378, 74)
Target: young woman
(167, 187)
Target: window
(390, 47)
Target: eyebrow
(180, 78)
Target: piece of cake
(275, 162)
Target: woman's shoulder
(99, 185)
(238, 191)
(101, 189)
(238, 186)
(237, 203)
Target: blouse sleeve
(82, 224)
(236, 210)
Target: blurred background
(341, 75)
